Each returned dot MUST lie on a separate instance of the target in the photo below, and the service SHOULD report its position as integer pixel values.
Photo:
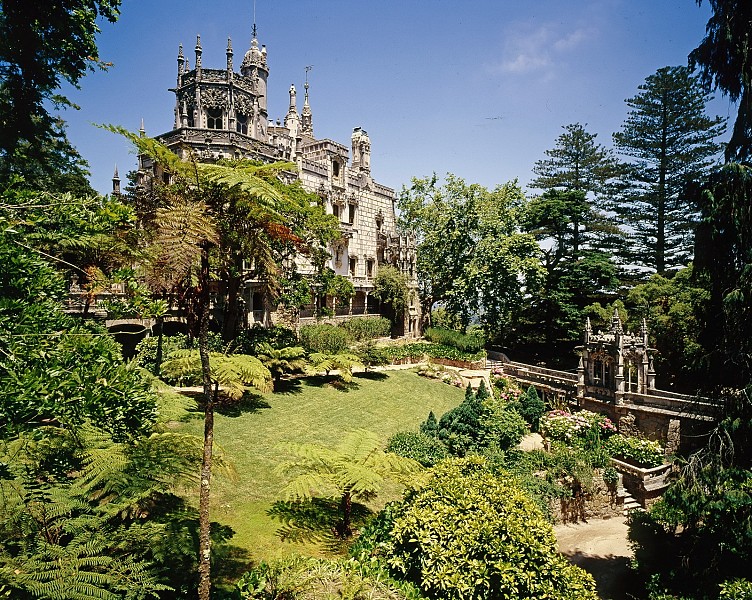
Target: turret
(116, 183)
(255, 67)
(361, 149)
(292, 119)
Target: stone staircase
(630, 503)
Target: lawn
(311, 410)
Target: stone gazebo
(614, 364)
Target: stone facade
(220, 113)
(614, 362)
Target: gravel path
(601, 548)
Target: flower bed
(636, 451)
(576, 429)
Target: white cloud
(537, 49)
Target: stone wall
(601, 502)
(678, 432)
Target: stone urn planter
(646, 485)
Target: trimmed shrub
(467, 534)
(372, 355)
(465, 342)
(417, 351)
(531, 407)
(324, 338)
(421, 447)
(364, 329)
(502, 427)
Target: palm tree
(353, 471)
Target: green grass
(315, 411)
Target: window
(214, 118)
(351, 214)
(353, 264)
(335, 169)
(335, 210)
(190, 116)
(369, 268)
(241, 123)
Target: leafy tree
(372, 355)
(89, 507)
(672, 307)
(567, 226)
(467, 534)
(472, 258)
(723, 57)
(354, 471)
(671, 142)
(43, 45)
(576, 164)
(723, 265)
(53, 370)
(390, 288)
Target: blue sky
(477, 88)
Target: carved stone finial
(588, 326)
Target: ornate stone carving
(214, 97)
(244, 105)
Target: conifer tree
(576, 163)
(671, 142)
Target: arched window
(214, 118)
(241, 123)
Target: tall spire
(116, 182)
(181, 64)
(199, 51)
(142, 130)
(306, 118)
(229, 57)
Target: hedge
(470, 343)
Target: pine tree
(671, 142)
(576, 163)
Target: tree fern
(232, 372)
(353, 471)
(344, 362)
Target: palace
(220, 113)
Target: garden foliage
(471, 343)
(469, 534)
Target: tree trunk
(232, 308)
(204, 537)
(345, 507)
(160, 344)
